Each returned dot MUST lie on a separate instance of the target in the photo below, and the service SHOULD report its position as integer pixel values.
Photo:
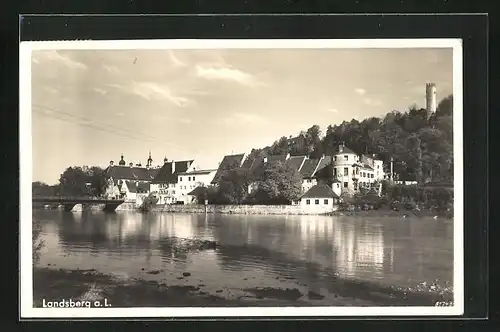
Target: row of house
(325, 179)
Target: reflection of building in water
(359, 249)
(130, 227)
(178, 225)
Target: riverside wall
(234, 209)
(245, 209)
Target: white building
(354, 171)
(190, 180)
(165, 185)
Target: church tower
(122, 161)
(150, 161)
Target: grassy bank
(57, 284)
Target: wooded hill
(422, 147)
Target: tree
(445, 106)
(42, 189)
(82, 181)
(280, 147)
(280, 184)
(233, 186)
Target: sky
(90, 106)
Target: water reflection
(305, 248)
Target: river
(254, 250)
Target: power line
(108, 128)
(90, 120)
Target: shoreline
(268, 210)
(51, 284)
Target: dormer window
(346, 158)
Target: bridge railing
(73, 198)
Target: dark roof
(276, 158)
(247, 164)
(320, 191)
(142, 187)
(308, 168)
(131, 173)
(324, 162)
(228, 162)
(295, 162)
(132, 186)
(198, 191)
(165, 174)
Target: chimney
(111, 163)
(131, 164)
(173, 167)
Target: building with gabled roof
(319, 197)
(165, 185)
(117, 175)
(227, 163)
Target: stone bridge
(69, 202)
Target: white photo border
(25, 145)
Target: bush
(37, 242)
(148, 203)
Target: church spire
(150, 160)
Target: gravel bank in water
(53, 285)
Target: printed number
(444, 304)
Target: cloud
(175, 60)
(360, 91)
(50, 89)
(100, 91)
(42, 56)
(372, 102)
(111, 69)
(332, 110)
(226, 73)
(245, 118)
(153, 91)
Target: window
(338, 185)
(378, 166)
(346, 171)
(316, 201)
(346, 158)
(326, 201)
(357, 171)
(373, 175)
(355, 186)
(308, 201)
(345, 184)
(193, 178)
(334, 171)
(335, 158)
(180, 179)
(189, 178)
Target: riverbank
(52, 284)
(282, 210)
